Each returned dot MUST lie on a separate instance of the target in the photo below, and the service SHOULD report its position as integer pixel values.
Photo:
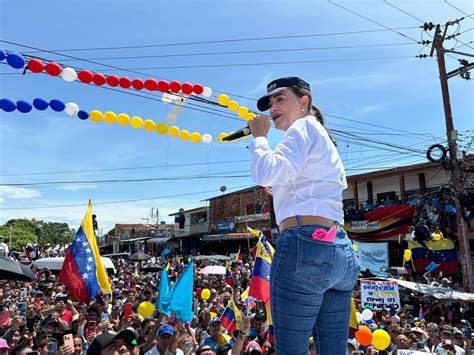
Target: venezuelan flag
(249, 301)
(441, 252)
(271, 330)
(231, 319)
(260, 282)
(229, 278)
(83, 272)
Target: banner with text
(380, 294)
(374, 257)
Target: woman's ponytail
(316, 112)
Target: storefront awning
(228, 236)
(158, 240)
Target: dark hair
(312, 109)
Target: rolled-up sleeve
(276, 167)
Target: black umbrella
(139, 257)
(152, 267)
(12, 270)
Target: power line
(267, 63)
(126, 168)
(464, 13)
(401, 10)
(377, 23)
(119, 201)
(242, 52)
(233, 40)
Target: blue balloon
(16, 60)
(83, 115)
(23, 106)
(57, 105)
(3, 55)
(7, 105)
(40, 104)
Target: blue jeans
(311, 284)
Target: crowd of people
(40, 317)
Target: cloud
(12, 192)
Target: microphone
(238, 134)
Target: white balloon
(171, 118)
(359, 317)
(367, 314)
(166, 98)
(71, 108)
(206, 138)
(69, 74)
(207, 91)
(180, 101)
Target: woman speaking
(314, 269)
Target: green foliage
(25, 231)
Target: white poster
(380, 294)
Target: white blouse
(304, 170)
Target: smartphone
(37, 302)
(105, 316)
(91, 328)
(408, 325)
(52, 348)
(127, 310)
(32, 353)
(23, 293)
(68, 340)
(63, 299)
(99, 300)
(21, 308)
(409, 306)
(30, 323)
(107, 297)
(468, 333)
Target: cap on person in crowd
(447, 329)
(277, 86)
(353, 343)
(105, 339)
(253, 348)
(447, 344)
(166, 329)
(417, 330)
(3, 344)
(205, 350)
(214, 320)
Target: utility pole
(456, 169)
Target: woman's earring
(302, 110)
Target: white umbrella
(213, 270)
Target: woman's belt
(299, 221)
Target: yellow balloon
(233, 105)
(223, 99)
(184, 135)
(437, 237)
(96, 116)
(356, 247)
(221, 136)
(242, 112)
(196, 137)
(161, 128)
(407, 254)
(110, 117)
(149, 125)
(205, 294)
(173, 131)
(380, 339)
(136, 122)
(146, 309)
(250, 116)
(123, 119)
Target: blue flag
(181, 295)
(431, 266)
(163, 302)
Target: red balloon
(163, 86)
(113, 80)
(99, 79)
(125, 82)
(175, 86)
(151, 84)
(85, 76)
(35, 65)
(53, 69)
(138, 84)
(198, 89)
(187, 88)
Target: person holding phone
(314, 268)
